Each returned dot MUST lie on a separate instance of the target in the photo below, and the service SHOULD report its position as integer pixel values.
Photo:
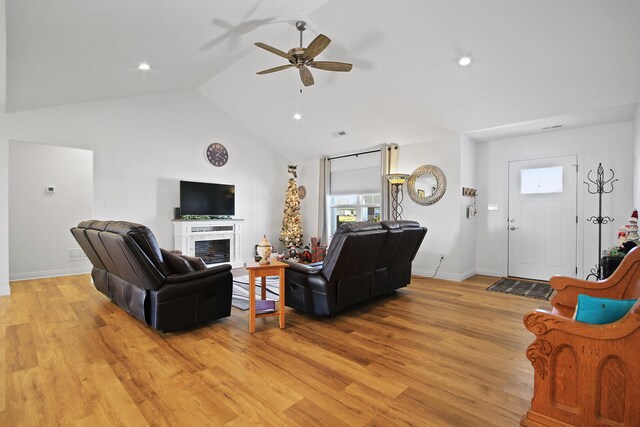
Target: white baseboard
(5, 290)
(49, 273)
(454, 277)
(467, 274)
(490, 272)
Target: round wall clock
(217, 154)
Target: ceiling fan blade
(305, 76)
(272, 49)
(316, 47)
(330, 65)
(274, 69)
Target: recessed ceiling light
(464, 61)
(297, 116)
(144, 66)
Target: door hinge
(576, 219)
(576, 270)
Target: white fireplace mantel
(187, 232)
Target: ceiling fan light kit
(302, 58)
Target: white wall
(636, 162)
(467, 225)
(441, 219)
(4, 211)
(144, 145)
(39, 221)
(610, 144)
(4, 161)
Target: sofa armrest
(568, 288)
(616, 286)
(174, 279)
(314, 268)
(542, 322)
(180, 264)
(195, 283)
(196, 262)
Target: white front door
(542, 218)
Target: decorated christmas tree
(291, 232)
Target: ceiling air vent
(552, 127)
(339, 133)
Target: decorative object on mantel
(426, 185)
(264, 250)
(470, 192)
(291, 231)
(600, 183)
(203, 217)
(396, 180)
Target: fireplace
(213, 251)
(215, 241)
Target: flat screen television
(202, 198)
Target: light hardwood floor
(436, 353)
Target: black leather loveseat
(164, 290)
(364, 260)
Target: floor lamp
(396, 180)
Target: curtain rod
(354, 154)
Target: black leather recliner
(364, 260)
(166, 291)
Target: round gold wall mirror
(427, 185)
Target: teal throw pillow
(599, 311)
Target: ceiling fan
(302, 58)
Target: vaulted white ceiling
(533, 62)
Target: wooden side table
(276, 268)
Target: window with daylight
(355, 189)
(541, 180)
(352, 208)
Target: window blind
(359, 174)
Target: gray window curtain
(385, 194)
(323, 192)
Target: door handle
(513, 228)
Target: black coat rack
(599, 183)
